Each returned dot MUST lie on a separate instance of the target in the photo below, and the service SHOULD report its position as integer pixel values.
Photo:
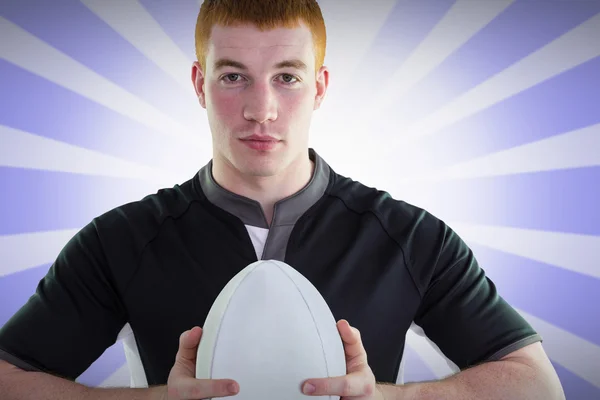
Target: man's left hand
(359, 382)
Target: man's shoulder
(148, 213)
(394, 213)
(418, 234)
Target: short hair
(265, 15)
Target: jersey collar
(286, 211)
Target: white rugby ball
(270, 329)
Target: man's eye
(232, 77)
(287, 78)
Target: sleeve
(74, 315)
(461, 310)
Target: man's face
(262, 84)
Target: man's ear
(198, 81)
(322, 84)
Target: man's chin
(259, 164)
(260, 172)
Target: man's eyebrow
(297, 64)
(226, 62)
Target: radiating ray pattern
(486, 114)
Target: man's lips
(261, 142)
(260, 138)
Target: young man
(156, 266)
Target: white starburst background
(486, 113)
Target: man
(157, 265)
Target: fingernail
(308, 388)
(233, 388)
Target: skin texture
(182, 382)
(523, 374)
(264, 99)
(359, 382)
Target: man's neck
(265, 190)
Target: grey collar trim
(286, 212)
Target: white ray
(574, 149)
(352, 27)
(575, 47)
(28, 250)
(430, 353)
(346, 43)
(464, 19)
(134, 23)
(25, 150)
(577, 253)
(26, 50)
(118, 379)
(572, 352)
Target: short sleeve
(74, 315)
(461, 310)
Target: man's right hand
(182, 383)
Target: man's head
(260, 72)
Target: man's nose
(261, 103)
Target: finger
(190, 388)
(353, 346)
(348, 385)
(188, 344)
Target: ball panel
(270, 329)
(268, 341)
(213, 321)
(324, 320)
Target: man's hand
(182, 383)
(359, 383)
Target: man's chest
(362, 280)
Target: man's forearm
(505, 379)
(20, 385)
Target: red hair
(265, 15)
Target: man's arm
(523, 374)
(499, 353)
(16, 384)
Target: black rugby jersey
(149, 270)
